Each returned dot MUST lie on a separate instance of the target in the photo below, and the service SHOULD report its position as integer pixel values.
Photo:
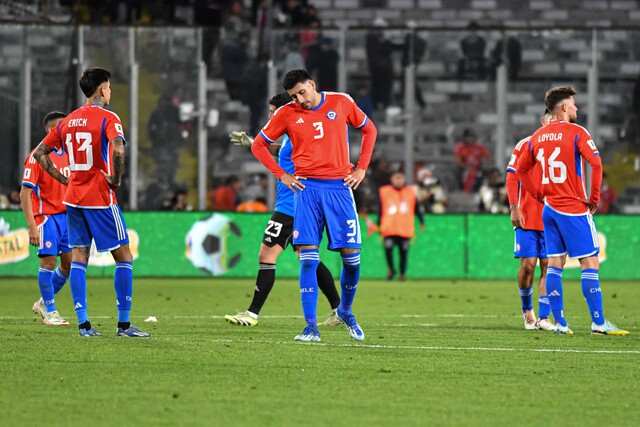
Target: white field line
(434, 348)
(290, 316)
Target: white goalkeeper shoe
(529, 320)
(332, 320)
(242, 319)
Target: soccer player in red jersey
(560, 148)
(41, 199)
(94, 139)
(529, 245)
(469, 156)
(316, 124)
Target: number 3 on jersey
(83, 139)
(556, 170)
(319, 128)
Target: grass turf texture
(436, 353)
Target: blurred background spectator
(226, 197)
(472, 48)
(166, 136)
(493, 194)
(380, 61)
(511, 55)
(469, 157)
(430, 193)
(180, 201)
(608, 198)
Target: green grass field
(436, 353)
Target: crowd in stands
(242, 63)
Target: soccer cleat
(132, 332)
(54, 319)
(39, 308)
(529, 320)
(242, 319)
(309, 333)
(89, 333)
(355, 331)
(391, 274)
(562, 330)
(607, 328)
(545, 325)
(332, 320)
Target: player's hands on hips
(355, 178)
(293, 182)
(240, 138)
(517, 219)
(112, 180)
(593, 207)
(34, 236)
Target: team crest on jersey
(331, 115)
(296, 233)
(48, 244)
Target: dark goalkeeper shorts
(279, 230)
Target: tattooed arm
(118, 163)
(42, 156)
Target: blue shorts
(54, 238)
(529, 244)
(105, 226)
(575, 235)
(326, 203)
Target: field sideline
(436, 353)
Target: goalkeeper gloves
(241, 138)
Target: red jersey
(319, 137)
(471, 154)
(531, 208)
(86, 135)
(48, 193)
(561, 149)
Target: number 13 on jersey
(83, 140)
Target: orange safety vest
(398, 208)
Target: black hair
(294, 77)
(231, 179)
(280, 99)
(51, 116)
(556, 95)
(92, 78)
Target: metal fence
(180, 90)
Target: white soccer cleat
(310, 333)
(332, 320)
(242, 319)
(607, 328)
(39, 308)
(54, 319)
(562, 330)
(545, 325)
(529, 320)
